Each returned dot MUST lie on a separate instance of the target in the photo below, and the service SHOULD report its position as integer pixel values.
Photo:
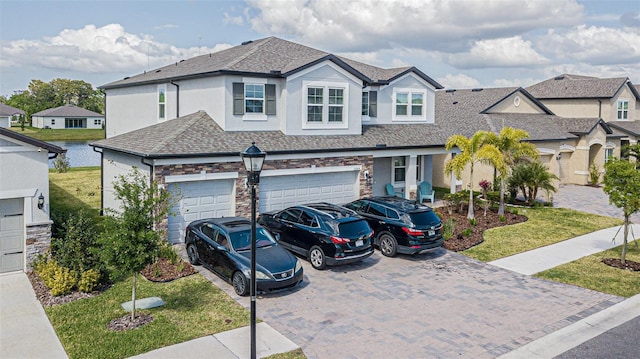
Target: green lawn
(75, 190)
(545, 226)
(194, 308)
(590, 272)
(77, 134)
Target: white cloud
(368, 25)
(507, 52)
(235, 20)
(106, 49)
(166, 26)
(516, 82)
(594, 45)
(458, 81)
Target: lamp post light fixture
(253, 159)
(40, 201)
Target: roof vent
(181, 60)
(247, 42)
(455, 102)
(381, 145)
(126, 78)
(559, 78)
(275, 72)
(476, 90)
(450, 90)
(158, 70)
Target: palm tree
(530, 177)
(509, 143)
(474, 149)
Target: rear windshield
(354, 229)
(427, 218)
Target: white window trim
(622, 100)
(393, 171)
(409, 117)
(325, 124)
(159, 88)
(255, 116)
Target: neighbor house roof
(569, 86)
(629, 127)
(68, 111)
(198, 135)
(51, 148)
(6, 110)
(268, 57)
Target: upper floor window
(162, 94)
(623, 109)
(409, 105)
(370, 103)
(254, 98)
(326, 105)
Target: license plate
(432, 232)
(359, 243)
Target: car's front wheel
(317, 258)
(192, 252)
(240, 284)
(388, 245)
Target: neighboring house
(7, 114)
(615, 100)
(67, 117)
(568, 146)
(334, 129)
(25, 226)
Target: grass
(75, 190)
(590, 272)
(545, 226)
(193, 308)
(50, 134)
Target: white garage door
(200, 199)
(11, 235)
(279, 192)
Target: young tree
(129, 241)
(473, 150)
(632, 151)
(512, 149)
(622, 184)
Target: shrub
(61, 163)
(473, 221)
(494, 196)
(46, 269)
(167, 252)
(503, 218)
(64, 281)
(89, 279)
(448, 228)
(466, 232)
(594, 174)
(77, 246)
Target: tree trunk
(624, 241)
(133, 296)
(470, 214)
(501, 207)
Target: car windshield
(354, 229)
(241, 241)
(426, 218)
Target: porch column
(410, 178)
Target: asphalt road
(617, 343)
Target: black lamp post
(253, 159)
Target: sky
(459, 43)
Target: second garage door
(279, 192)
(199, 199)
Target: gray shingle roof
(68, 111)
(574, 86)
(198, 135)
(32, 141)
(270, 56)
(6, 110)
(630, 127)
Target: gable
(516, 102)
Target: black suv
(400, 225)
(324, 233)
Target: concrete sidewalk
(544, 258)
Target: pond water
(79, 153)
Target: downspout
(150, 170)
(101, 180)
(177, 98)
(599, 109)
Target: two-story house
(567, 146)
(615, 100)
(334, 129)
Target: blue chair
(425, 191)
(392, 191)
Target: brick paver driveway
(437, 305)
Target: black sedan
(400, 225)
(324, 233)
(223, 245)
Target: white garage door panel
(279, 192)
(200, 199)
(11, 235)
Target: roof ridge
(251, 51)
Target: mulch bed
(617, 263)
(47, 300)
(459, 241)
(164, 271)
(125, 323)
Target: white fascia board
(418, 78)
(310, 170)
(410, 152)
(201, 177)
(19, 193)
(546, 151)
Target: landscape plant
(622, 184)
(61, 163)
(594, 174)
(129, 242)
(632, 151)
(77, 247)
(530, 177)
(472, 150)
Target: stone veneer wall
(243, 195)
(38, 241)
